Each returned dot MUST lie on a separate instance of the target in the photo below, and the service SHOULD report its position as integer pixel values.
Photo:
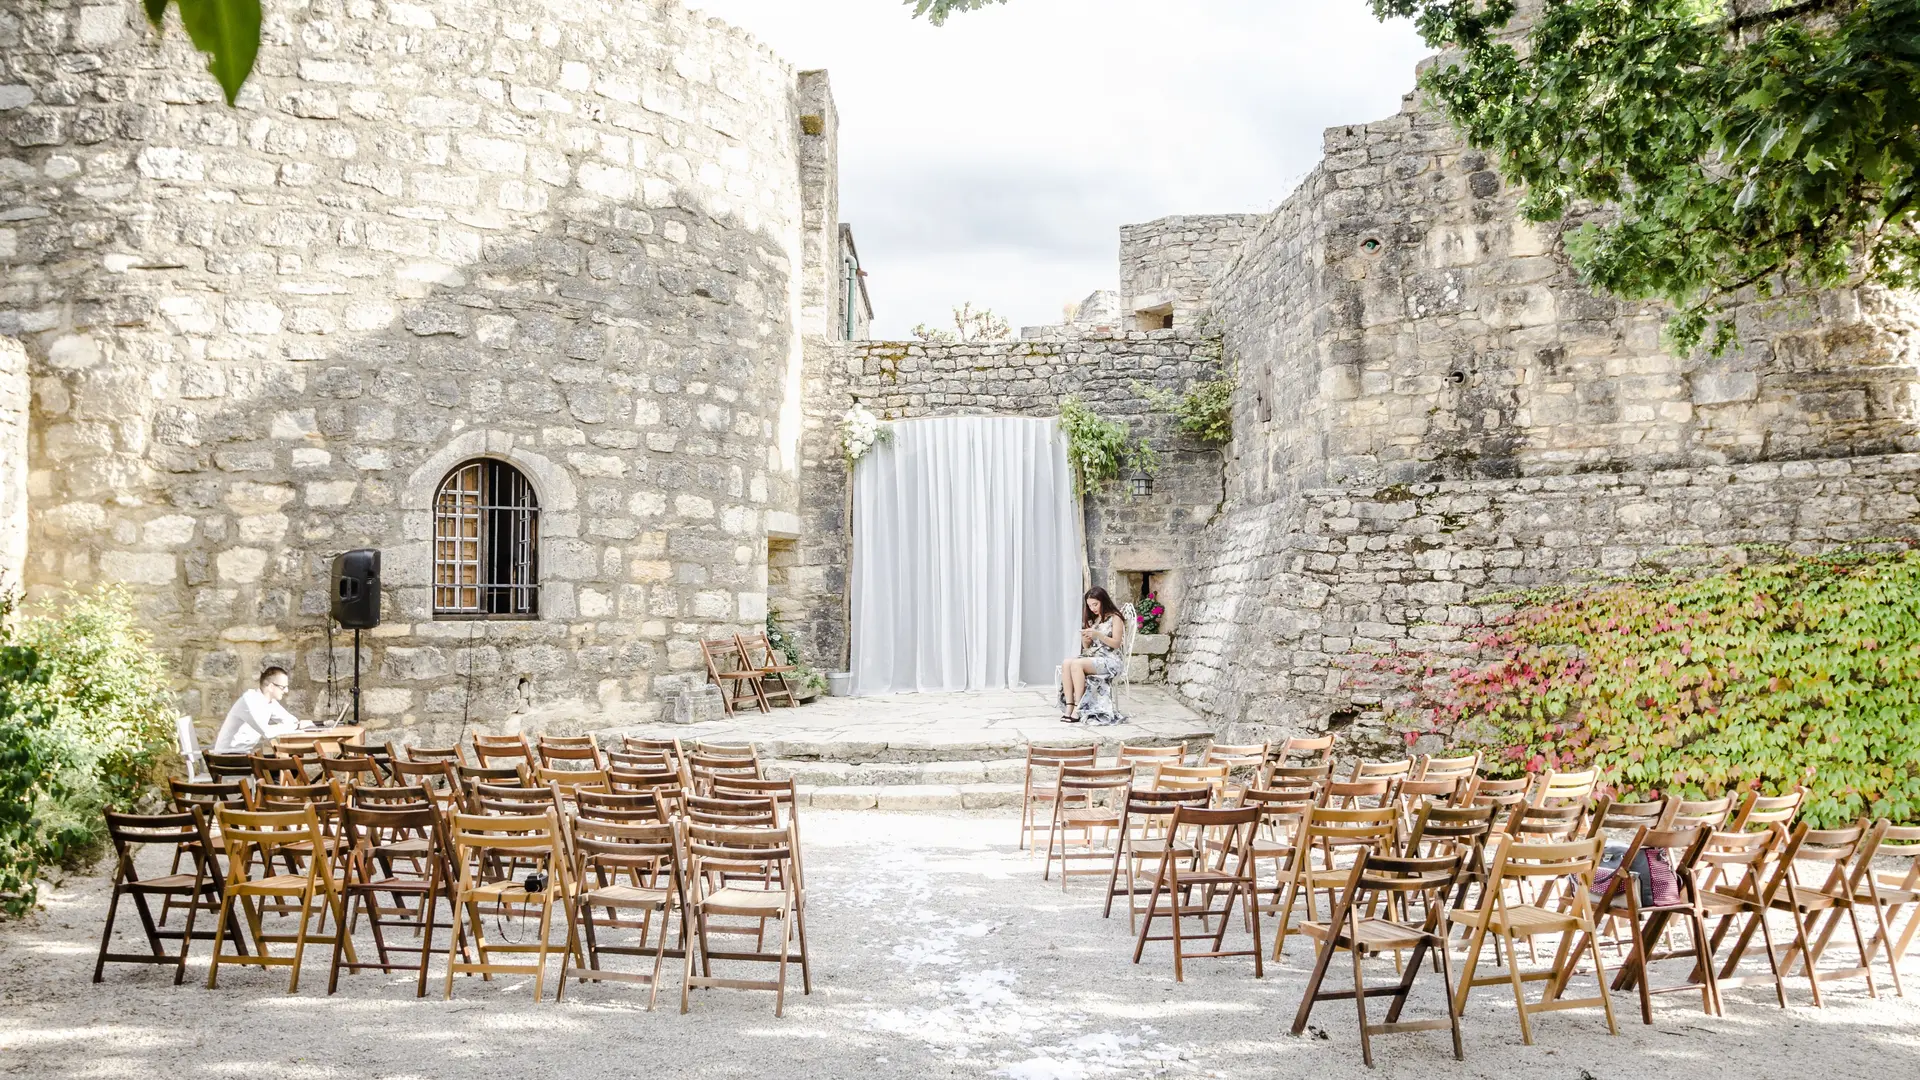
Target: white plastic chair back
(1129, 630)
(190, 748)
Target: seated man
(257, 715)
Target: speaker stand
(356, 677)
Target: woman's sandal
(1069, 718)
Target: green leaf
(156, 12)
(228, 31)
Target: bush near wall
(1756, 676)
(86, 722)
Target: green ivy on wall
(1798, 668)
(1203, 410)
(1102, 449)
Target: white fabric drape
(966, 573)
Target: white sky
(995, 158)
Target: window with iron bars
(486, 544)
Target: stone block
(922, 797)
(842, 798)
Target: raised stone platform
(929, 751)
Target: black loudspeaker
(356, 589)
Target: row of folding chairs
(1502, 863)
(300, 857)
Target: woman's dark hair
(1107, 609)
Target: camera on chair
(536, 881)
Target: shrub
(86, 722)
(1204, 410)
(1799, 668)
(1100, 448)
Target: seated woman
(1086, 681)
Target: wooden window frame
(486, 543)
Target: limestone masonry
(602, 242)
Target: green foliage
(969, 324)
(1776, 147)
(1204, 410)
(228, 31)
(936, 11)
(787, 644)
(86, 722)
(1754, 676)
(1101, 449)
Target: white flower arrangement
(860, 429)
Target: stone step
(921, 797)
(928, 751)
(894, 774)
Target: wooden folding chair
(495, 751)
(1314, 778)
(1246, 764)
(704, 770)
(569, 752)
(279, 769)
(315, 889)
(641, 759)
(449, 754)
(207, 796)
(1759, 812)
(348, 771)
(1891, 890)
(744, 873)
(1736, 863)
(1557, 788)
(1229, 875)
(512, 800)
(1145, 761)
(1091, 797)
(1381, 882)
(646, 855)
(1442, 830)
(1396, 770)
(770, 667)
(1808, 903)
(739, 751)
(1330, 830)
(1370, 792)
(1504, 794)
(1211, 777)
(741, 812)
(620, 808)
(378, 840)
(1647, 920)
(482, 843)
(1560, 868)
(440, 778)
(1462, 767)
(228, 766)
(1302, 750)
(1283, 814)
(1710, 814)
(187, 833)
(634, 745)
(1040, 786)
(381, 754)
(567, 782)
(1144, 838)
(727, 669)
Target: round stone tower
(559, 240)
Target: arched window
(486, 543)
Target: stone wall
(564, 234)
(15, 402)
(1359, 571)
(904, 380)
(1168, 265)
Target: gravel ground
(938, 952)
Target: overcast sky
(995, 158)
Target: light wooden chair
(1710, 814)
(635, 745)
(1145, 761)
(1228, 876)
(482, 844)
(1396, 770)
(772, 668)
(186, 832)
(307, 894)
(736, 873)
(1302, 750)
(1557, 788)
(1144, 839)
(1040, 785)
(625, 867)
(1647, 920)
(569, 752)
(1562, 868)
(1091, 798)
(450, 754)
(1330, 831)
(379, 842)
(727, 668)
(1807, 903)
(492, 751)
(1460, 766)
(1283, 814)
(1211, 777)
(1386, 883)
(1314, 778)
(1736, 863)
(1890, 890)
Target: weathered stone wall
(1354, 571)
(1171, 262)
(905, 380)
(564, 234)
(15, 401)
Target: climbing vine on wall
(1754, 676)
(1102, 449)
(1203, 410)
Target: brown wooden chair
(621, 807)
(1144, 839)
(229, 766)
(1370, 792)
(207, 796)
(494, 751)
(619, 867)
(1441, 830)
(634, 745)
(1283, 814)
(1757, 812)
(1245, 762)
(641, 759)
(1386, 883)
(1710, 814)
(1145, 761)
(1648, 920)
(1891, 890)
(307, 895)
(440, 777)
(186, 832)
(280, 769)
(569, 752)
(1330, 831)
(1314, 778)
(735, 873)
(1458, 766)
(512, 800)
(706, 810)
(1302, 750)
(450, 754)
(1397, 769)
(727, 668)
(1091, 797)
(1040, 786)
(1808, 903)
(348, 771)
(1211, 777)
(772, 669)
(1227, 876)
(1736, 862)
(1562, 868)
(483, 844)
(380, 840)
(1500, 793)
(381, 753)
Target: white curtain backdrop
(966, 566)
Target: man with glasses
(257, 715)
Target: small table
(318, 739)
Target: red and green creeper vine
(1754, 676)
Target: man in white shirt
(257, 715)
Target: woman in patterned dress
(1086, 681)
